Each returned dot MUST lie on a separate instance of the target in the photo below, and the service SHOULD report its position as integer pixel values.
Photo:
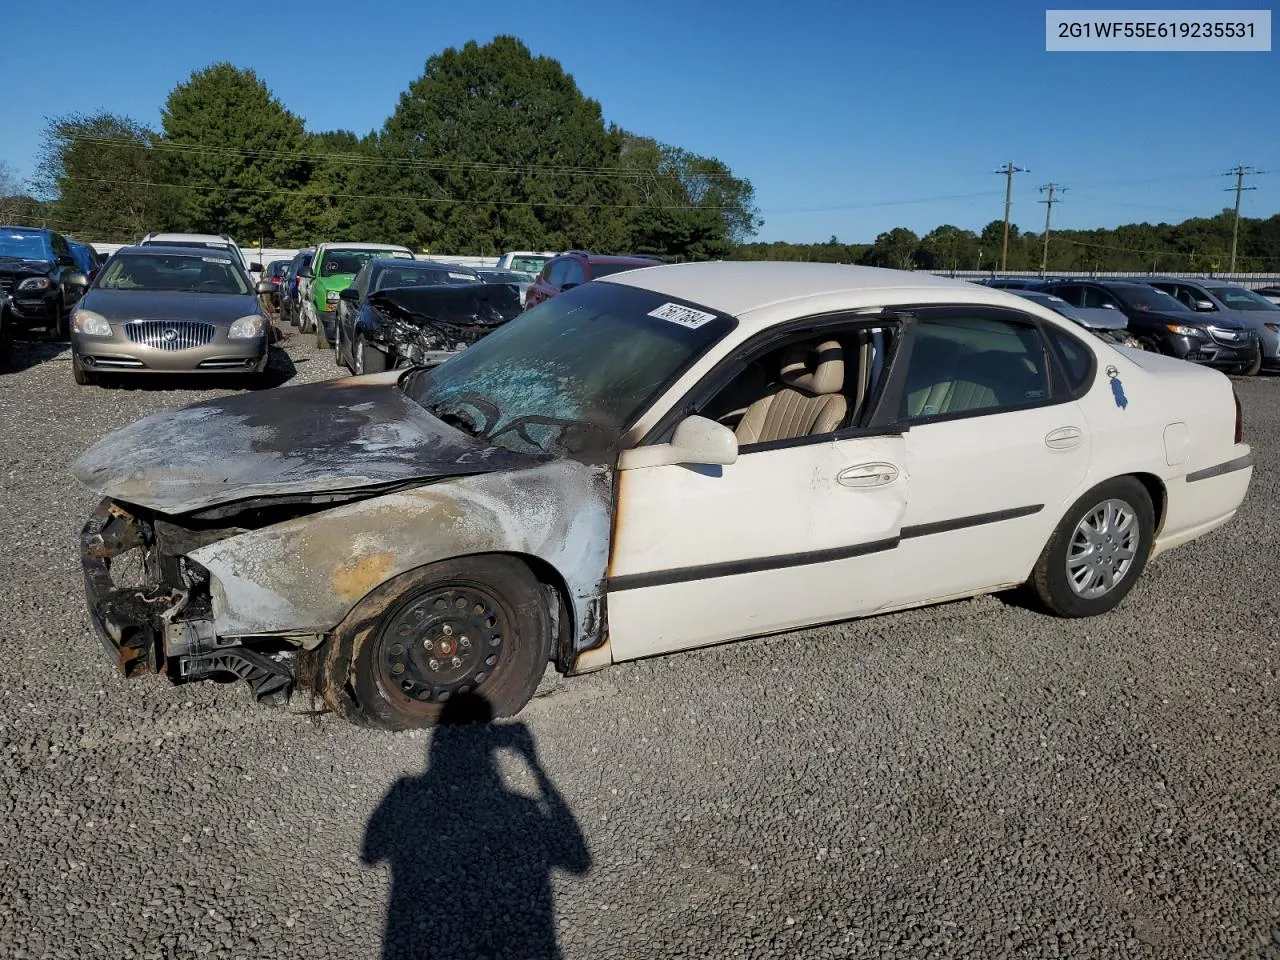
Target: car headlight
(246, 327)
(332, 296)
(35, 283)
(1184, 331)
(90, 324)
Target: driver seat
(806, 403)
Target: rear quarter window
(1075, 357)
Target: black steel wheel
(475, 625)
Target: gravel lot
(971, 780)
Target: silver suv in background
(213, 241)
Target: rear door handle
(1064, 438)
(867, 475)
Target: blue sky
(838, 112)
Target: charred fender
(304, 575)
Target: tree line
(1200, 244)
(493, 149)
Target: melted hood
(333, 437)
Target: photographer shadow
(470, 859)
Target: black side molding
(658, 578)
(1231, 466)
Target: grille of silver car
(1230, 338)
(169, 334)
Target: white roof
(193, 237)
(364, 246)
(740, 286)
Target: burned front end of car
(424, 326)
(152, 607)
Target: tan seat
(807, 402)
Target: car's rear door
(996, 448)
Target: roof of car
(343, 245)
(738, 287)
(196, 237)
(174, 250)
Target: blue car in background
(290, 302)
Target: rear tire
(483, 623)
(1098, 551)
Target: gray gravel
(971, 780)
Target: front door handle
(867, 475)
(1064, 438)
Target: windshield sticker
(215, 259)
(684, 316)
(460, 276)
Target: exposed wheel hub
(443, 643)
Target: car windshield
(1239, 298)
(338, 261)
(173, 272)
(24, 246)
(1149, 298)
(530, 264)
(411, 276)
(571, 373)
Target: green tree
(948, 248)
(100, 170)
(686, 205)
(234, 153)
(894, 248)
(502, 151)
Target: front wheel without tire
(1098, 551)
(475, 625)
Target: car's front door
(800, 529)
(996, 449)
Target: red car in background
(577, 267)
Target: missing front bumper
(139, 626)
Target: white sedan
(663, 459)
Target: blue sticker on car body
(1117, 388)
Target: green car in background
(330, 272)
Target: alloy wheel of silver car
(1103, 548)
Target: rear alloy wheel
(475, 625)
(1098, 551)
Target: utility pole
(1239, 173)
(1008, 170)
(1048, 210)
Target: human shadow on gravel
(470, 859)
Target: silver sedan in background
(170, 310)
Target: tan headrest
(814, 367)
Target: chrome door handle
(1064, 438)
(867, 475)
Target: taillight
(1239, 418)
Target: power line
(1239, 173)
(1048, 210)
(481, 166)
(1008, 170)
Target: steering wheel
(216, 284)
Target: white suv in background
(214, 241)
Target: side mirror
(350, 294)
(77, 279)
(255, 267)
(1204, 306)
(696, 440)
(264, 287)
